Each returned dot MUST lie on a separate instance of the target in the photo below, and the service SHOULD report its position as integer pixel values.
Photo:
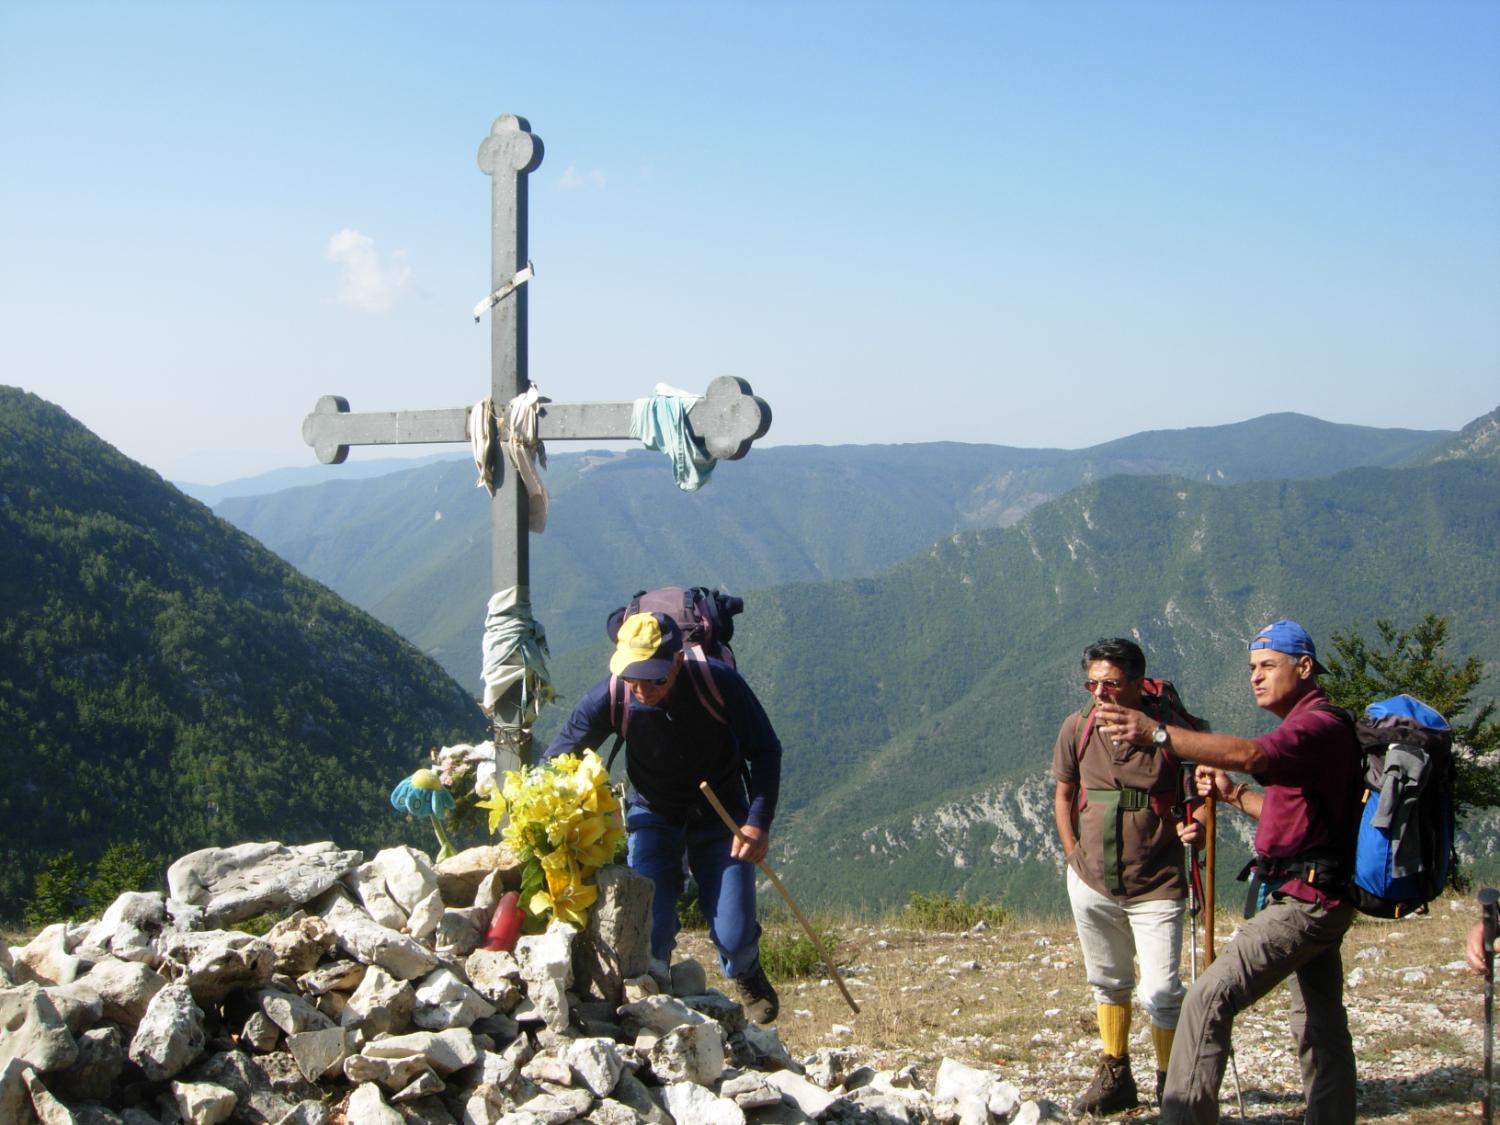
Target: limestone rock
(616, 944)
(290, 1012)
(232, 884)
(442, 1000)
(459, 932)
(692, 1052)
(366, 940)
(408, 875)
(215, 963)
(343, 975)
(749, 1090)
(259, 1033)
(597, 1063)
(392, 1075)
(321, 1052)
(367, 1107)
(688, 978)
(658, 1014)
(170, 1036)
(689, 1102)
(47, 958)
(810, 1099)
(494, 974)
(368, 885)
(128, 929)
(268, 1087)
(101, 1058)
(380, 1004)
(34, 1030)
(423, 921)
(203, 1103)
(445, 1051)
(79, 1005)
(298, 942)
(125, 987)
(460, 876)
(632, 1092)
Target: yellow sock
(1161, 1039)
(1114, 1028)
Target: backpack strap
(695, 667)
(619, 718)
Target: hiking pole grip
(1210, 823)
(1488, 898)
(790, 901)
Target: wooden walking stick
(790, 901)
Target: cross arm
(727, 419)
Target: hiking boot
(756, 994)
(1161, 1086)
(1112, 1090)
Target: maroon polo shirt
(1312, 789)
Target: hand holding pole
(790, 901)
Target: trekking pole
(1194, 874)
(1488, 897)
(1211, 824)
(790, 901)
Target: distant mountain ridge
(412, 547)
(165, 679)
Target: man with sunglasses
(686, 725)
(1307, 819)
(1117, 809)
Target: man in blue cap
(1308, 817)
(683, 725)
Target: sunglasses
(648, 683)
(1111, 687)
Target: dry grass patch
(1014, 996)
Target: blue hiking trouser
(726, 886)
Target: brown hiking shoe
(1112, 1090)
(757, 995)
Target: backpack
(1404, 850)
(706, 618)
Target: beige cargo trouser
(1288, 938)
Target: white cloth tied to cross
(661, 422)
(515, 652)
(524, 449)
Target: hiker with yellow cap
(686, 721)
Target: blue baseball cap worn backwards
(1288, 637)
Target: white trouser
(1113, 935)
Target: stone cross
(728, 419)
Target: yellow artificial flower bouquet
(562, 820)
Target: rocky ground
(370, 1003)
(1013, 997)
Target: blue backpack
(1405, 846)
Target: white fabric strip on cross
(521, 278)
(526, 452)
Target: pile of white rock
(372, 1001)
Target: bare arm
(1222, 751)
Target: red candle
(506, 926)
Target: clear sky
(1029, 224)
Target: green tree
(1412, 661)
(57, 894)
(122, 868)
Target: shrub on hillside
(939, 912)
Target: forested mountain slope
(908, 700)
(413, 548)
(166, 679)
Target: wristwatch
(1159, 736)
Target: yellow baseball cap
(646, 646)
